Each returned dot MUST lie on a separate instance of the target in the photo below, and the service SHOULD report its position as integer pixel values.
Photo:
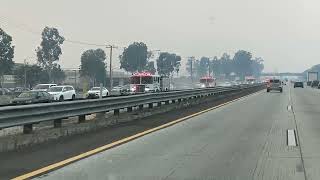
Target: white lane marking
(289, 108)
(291, 138)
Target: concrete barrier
(102, 120)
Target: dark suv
(298, 84)
(315, 84)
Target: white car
(43, 87)
(61, 93)
(95, 92)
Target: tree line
(241, 65)
(48, 53)
(135, 58)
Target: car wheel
(281, 90)
(268, 90)
(61, 98)
(73, 97)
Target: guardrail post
(27, 128)
(57, 123)
(82, 118)
(141, 107)
(159, 104)
(116, 112)
(150, 105)
(166, 102)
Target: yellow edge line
(116, 143)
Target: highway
(246, 139)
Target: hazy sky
(285, 33)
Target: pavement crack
(172, 171)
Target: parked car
(18, 90)
(315, 84)
(274, 84)
(32, 97)
(61, 93)
(95, 92)
(121, 90)
(43, 87)
(298, 84)
(5, 91)
(125, 90)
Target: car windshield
(96, 89)
(55, 89)
(116, 87)
(41, 86)
(275, 81)
(28, 94)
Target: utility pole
(111, 78)
(25, 73)
(75, 79)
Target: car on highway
(61, 93)
(95, 92)
(32, 97)
(43, 87)
(121, 90)
(274, 84)
(226, 84)
(298, 84)
(309, 83)
(314, 84)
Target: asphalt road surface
(245, 140)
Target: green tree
(203, 67)
(150, 67)
(49, 51)
(93, 66)
(168, 63)
(6, 54)
(242, 63)
(58, 75)
(190, 66)
(177, 64)
(257, 66)
(226, 64)
(34, 75)
(135, 57)
(214, 65)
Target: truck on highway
(312, 76)
(207, 81)
(143, 82)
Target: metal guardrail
(27, 115)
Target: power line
(27, 29)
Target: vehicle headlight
(147, 89)
(29, 101)
(202, 85)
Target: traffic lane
(306, 106)
(244, 140)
